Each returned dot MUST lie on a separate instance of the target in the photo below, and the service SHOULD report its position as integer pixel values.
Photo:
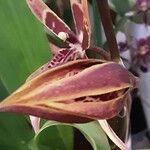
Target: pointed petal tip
(35, 122)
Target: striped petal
(47, 17)
(78, 91)
(86, 25)
(77, 13)
(82, 23)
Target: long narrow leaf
(92, 132)
(23, 45)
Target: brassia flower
(71, 88)
(56, 26)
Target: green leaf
(48, 137)
(92, 132)
(95, 135)
(96, 25)
(120, 23)
(23, 44)
(3, 91)
(121, 6)
(15, 132)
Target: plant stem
(108, 29)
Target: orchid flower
(141, 54)
(142, 10)
(77, 42)
(143, 7)
(71, 88)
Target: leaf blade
(98, 141)
(17, 51)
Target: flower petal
(77, 13)
(86, 25)
(47, 17)
(35, 122)
(78, 91)
(82, 23)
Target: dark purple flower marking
(123, 46)
(141, 54)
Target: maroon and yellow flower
(71, 88)
(77, 91)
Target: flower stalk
(108, 29)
